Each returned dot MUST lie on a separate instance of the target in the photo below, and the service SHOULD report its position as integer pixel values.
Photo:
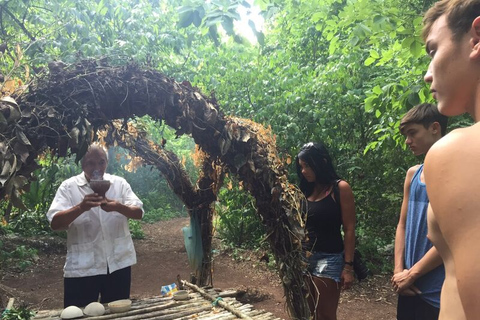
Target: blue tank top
(417, 244)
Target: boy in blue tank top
(419, 272)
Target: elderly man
(100, 249)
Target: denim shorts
(326, 265)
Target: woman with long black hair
(330, 208)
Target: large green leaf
(186, 19)
(227, 25)
(417, 48)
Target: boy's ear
(436, 128)
(475, 38)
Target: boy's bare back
(452, 166)
(452, 173)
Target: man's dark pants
(113, 286)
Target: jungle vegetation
(340, 71)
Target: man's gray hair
(95, 145)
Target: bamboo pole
(220, 315)
(177, 315)
(219, 302)
(228, 294)
(148, 312)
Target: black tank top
(324, 220)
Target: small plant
(136, 229)
(30, 223)
(158, 208)
(271, 262)
(159, 214)
(20, 258)
(21, 313)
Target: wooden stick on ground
(10, 303)
(219, 302)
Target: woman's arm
(347, 205)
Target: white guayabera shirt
(97, 240)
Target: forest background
(343, 72)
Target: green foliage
(160, 213)
(309, 77)
(40, 195)
(48, 179)
(340, 71)
(30, 223)
(182, 146)
(136, 229)
(212, 15)
(159, 202)
(238, 224)
(19, 258)
(20, 313)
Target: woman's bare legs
(324, 297)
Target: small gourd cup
(100, 186)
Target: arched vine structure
(64, 108)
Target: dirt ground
(161, 257)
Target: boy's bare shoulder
(454, 158)
(413, 169)
(453, 145)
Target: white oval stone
(94, 309)
(71, 312)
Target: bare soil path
(161, 257)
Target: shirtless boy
(452, 165)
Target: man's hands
(110, 205)
(94, 200)
(402, 283)
(62, 219)
(90, 201)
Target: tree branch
(20, 24)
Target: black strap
(336, 194)
(336, 191)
